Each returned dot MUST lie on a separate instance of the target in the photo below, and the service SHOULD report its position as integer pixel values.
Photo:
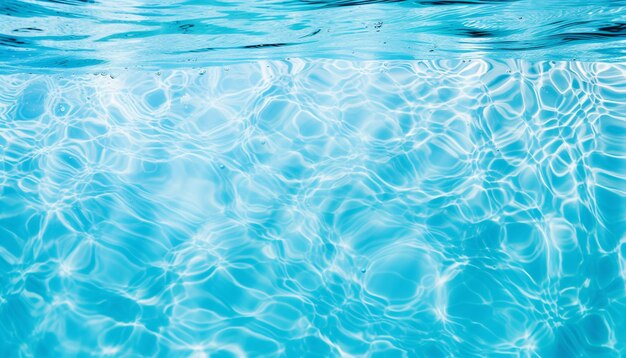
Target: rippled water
(45, 35)
(358, 178)
(318, 208)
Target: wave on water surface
(49, 35)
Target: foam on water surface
(326, 208)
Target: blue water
(328, 197)
(52, 35)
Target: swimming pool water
(320, 207)
(48, 36)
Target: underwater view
(312, 178)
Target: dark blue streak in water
(40, 35)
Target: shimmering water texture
(320, 208)
(51, 35)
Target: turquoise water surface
(292, 201)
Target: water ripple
(421, 208)
(42, 36)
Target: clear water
(45, 35)
(320, 205)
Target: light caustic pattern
(319, 208)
